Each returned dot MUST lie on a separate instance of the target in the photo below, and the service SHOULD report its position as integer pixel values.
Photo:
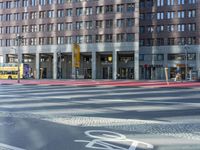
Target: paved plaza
(43, 117)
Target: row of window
(62, 13)
(129, 37)
(160, 3)
(168, 15)
(168, 28)
(129, 7)
(168, 41)
(26, 3)
(160, 57)
(128, 22)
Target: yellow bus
(10, 70)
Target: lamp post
(186, 61)
(19, 41)
(60, 63)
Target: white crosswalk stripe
(127, 108)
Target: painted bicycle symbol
(108, 140)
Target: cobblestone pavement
(166, 118)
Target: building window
(69, 12)
(33, 15)
(142, 16)
(79, 25)
(24, 28)
(42, 14)
(160, 2)
(16, 4)
(49, 40)
(191, 27)
(130, 22)
(60, 40)
(60, 26)
(60, 13)
(79, 11)
(41, 41)
(24, 3)
(109, 8)
(192, 40)
(181, 27)
(142, 29)
(99, 38)
(170, 41)
(50, 2)
(181, 14)
(150, 28)
(192, 1)
(170, 28)
(130, 7)
(69, 40)
(142, 42)
(33, 28)
(50, 14)
(88, 38)
(109, 23)
(181, 2)
(120, 23)
(160, 15)
(69, 26)
(42, 27)
(88, 24)
(160, 28)
(108, 37)
(33, 3)
(170, 2)
(130, 37)
(32, 41)
(149, 3)
(50, 27)
(60, 1)
(88, 11)
(99, 10)
(99, 23)
(170, 14)
(150, 42)
(25, 16)
(42, 2)
(79, 39)
(120, 8)
(120, 37)
(191, 13)
(159, 41)
(181, 40)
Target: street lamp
(60, 65)
(186, 61)
(19, 41)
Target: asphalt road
(99, 118)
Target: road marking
(108, 140)
(9, 147)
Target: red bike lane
(121, 83)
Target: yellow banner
(76, 53)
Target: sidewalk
(121, 83)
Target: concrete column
(55, 59)
(94, 69)
(37, 66)
(136, 65)
(114, 61)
